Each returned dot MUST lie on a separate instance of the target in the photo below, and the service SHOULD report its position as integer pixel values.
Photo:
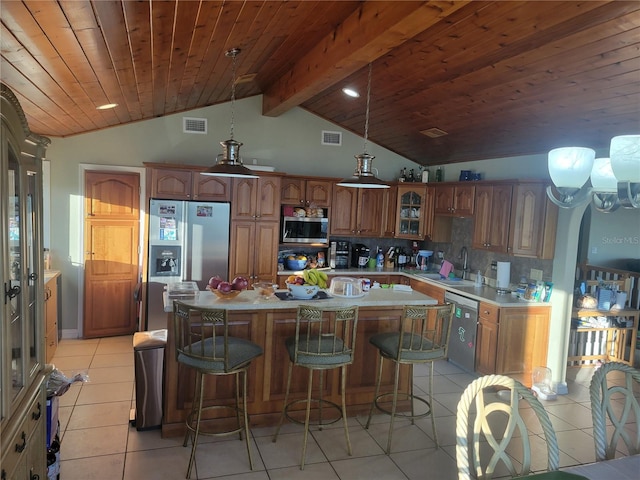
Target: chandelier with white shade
(615, 181)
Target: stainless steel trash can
(148, 351)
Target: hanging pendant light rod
(229, 164)
(363, 176)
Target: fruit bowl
(265, 289)
(302, 292)
(295, 264)
(227, 296)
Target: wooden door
(482, 218)
(211, 188)
(318, 193)
(443, 199)
(171, 183)
(370, 212)
(292, 191)
(389, 212)
(268, 199)
(463, 200)
(527, 220)
(111, 241)
(266, 252)
(500, 215)
(343, 211)
(241, 253)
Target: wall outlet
(494, 266)
(440, 255)
(535, 274)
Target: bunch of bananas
(315, 277)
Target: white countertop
(249, 300)
(482, 294)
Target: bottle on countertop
(478, 279)
(403, 175)
(425, 175)
(411, 176)
(439, 175)
(379, 259)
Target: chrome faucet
(464, 256)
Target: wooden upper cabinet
(389, 212)
(534, 219)
(256, 199)
(357, 212)
(344, 211)
(455, 200)
(188, 184)
(491, 217)
(305, 192)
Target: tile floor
(99, 443)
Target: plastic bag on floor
(58, 383)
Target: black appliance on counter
(340, 254)
(360, 255)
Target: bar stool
(324, 339)
(204, 344)
(422, 337)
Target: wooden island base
(268, 374)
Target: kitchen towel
(503, 275)
(446, 268)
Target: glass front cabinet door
(410, 213)
(22, 372)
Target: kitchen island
(268, 322)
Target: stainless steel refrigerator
(188, 241)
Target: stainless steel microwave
(305, 230)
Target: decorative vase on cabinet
(22, 399)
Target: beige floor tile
(127, 339)
(368, 468)
(225, 458)
(105, 392)
(74, 349)
(64, 414)
(416, 463)
(112, 360)
(405, 436)
(150, 440)
(114, 347)
(69, 366)
(334, 446)
(577, 444)
(287, 450)
(106, 467)
(316, 471)
(70, 397)
(575, 414)
(92, 442)
(162, 464)
(99, 415)
(111, 375)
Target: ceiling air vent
(331, 138)
(434, 132)
(194, 125)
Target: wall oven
(305, 230)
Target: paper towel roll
(503, 275)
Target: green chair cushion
(388, 342)
(318, 353)
(241, 351)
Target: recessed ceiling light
(350, 92)
(107, 106)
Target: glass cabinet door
(410, 212)
(31, 269)
(13, 290)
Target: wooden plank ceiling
(501, 78)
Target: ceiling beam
(370, 32)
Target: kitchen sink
(436, 277)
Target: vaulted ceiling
(500, 78)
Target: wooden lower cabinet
(512, 340)
(428, 289)
(268, 373)
(51, 317)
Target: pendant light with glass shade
(363, 177)
(229, 163)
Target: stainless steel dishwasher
(462, 340)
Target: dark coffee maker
(360, 255)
